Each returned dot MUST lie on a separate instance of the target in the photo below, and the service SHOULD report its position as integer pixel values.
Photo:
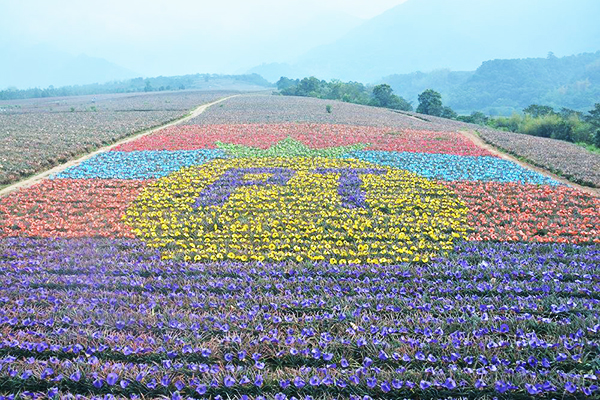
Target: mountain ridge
(457, 34)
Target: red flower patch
(193, 137)
(69, 208)
(531, 213)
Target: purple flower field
(99, 316)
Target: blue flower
(299, 382)
(450, 384)
(371, 382)
(228, 381)
(201, 389)
(112, 378)
(385, 387)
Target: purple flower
(124, 383)
(449, 384)
(284, 383)
(327, 381)
(371, 382)
(112, 378)
(367, 362)
(201, 389)
(424, 385)
(531, 389)
(176, 396)
(385, 387)
(501, 386)
(479, 384)
(53, 392)
(228, 381)
(570, 387)
(314, 381)
(206, 352)
(47, 372)
(165, 380)
(258, 381)
(179, 385)
(299, 382)
(280, 396)
(97, 383)
(259, 365)
(344, 363)
(589, 390)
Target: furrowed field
(270, 250)
(37, 134)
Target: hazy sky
(154, 37)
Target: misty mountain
(423, 35)
(325, 28)
(42, 66)
(505, 86)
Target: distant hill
(457, 34)
(42, 66)
(504, 86)
(247, 82)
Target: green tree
(593, 116)
(536, 110)
(430, 103)
(284, 83)
(383, 96)
(308, 87)
(148, 86)
(449, 113)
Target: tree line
(537, 120)
(157, 84)
(350, 92)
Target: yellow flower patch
(298, 209)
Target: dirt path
(36, 178)
(479, 142)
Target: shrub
(511, 123)
(549, 126)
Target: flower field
(37, 134)
(567, 159)
(299, 260)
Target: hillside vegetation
(501, 87)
